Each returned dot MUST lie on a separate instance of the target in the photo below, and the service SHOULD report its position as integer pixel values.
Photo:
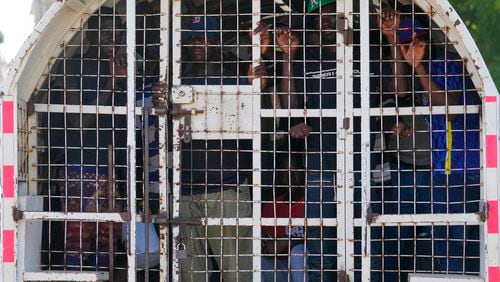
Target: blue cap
(195, 27)
(407, 28)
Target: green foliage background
(482, 17)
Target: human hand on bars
(160, 96)
(287, 40)
(118, 66)
(258, 72)
(388, 22)
(265, 37)
(414, 53)
(300, 131)
(400, 129)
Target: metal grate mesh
(297, 143)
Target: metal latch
(182, 94)
(484, 212)
(344, 28)
(346, 123)
(185, 132)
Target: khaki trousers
(229, 247)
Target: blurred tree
(483, 20)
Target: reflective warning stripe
(490, 99)
(8, 186)
(491, 151)
(449, 147)
(8, 181)
(8, 117)
(493, 217)
(494, 273)
(8, 246)
(490, 155)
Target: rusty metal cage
(249, 140)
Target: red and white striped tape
(8, 188)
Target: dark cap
(195, 27)
(407, 28)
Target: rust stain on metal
(124, 216)
(457, 22)
(483, 214)
(343, 277)
(17, 214)
(370, 215)
(346, 123)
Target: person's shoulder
(445, 65)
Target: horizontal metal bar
(89, 109)
(66, 276)
(83, 216)
(409, 219)
(226, 89)
(298, 113)
(424, 219)
(388, 111)
(422, 110)
(269, 221)
(84, 109)
(299, 222)
(425, 277)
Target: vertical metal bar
(164, 165)
(256, 145)
(176, 142)
(176, 197)
(365, 135)
(342, 153)
(131, 146)
(165, 197)
(349, 141)
(176, 42)
(111, 205)
(145, 171)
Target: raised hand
(265, 37)
(300, 131)
(414, 53)
(258, 72)
(401, 130)
(388, 22)
(287, 40)
(118, 66)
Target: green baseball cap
(315, 4)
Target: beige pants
(230, 247)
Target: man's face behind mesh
(199, 50)
(326, 23)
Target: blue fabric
(407, 28)
(410, 192)
(321, 242)
(453, 194)
(296, 259)
(465, 156)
